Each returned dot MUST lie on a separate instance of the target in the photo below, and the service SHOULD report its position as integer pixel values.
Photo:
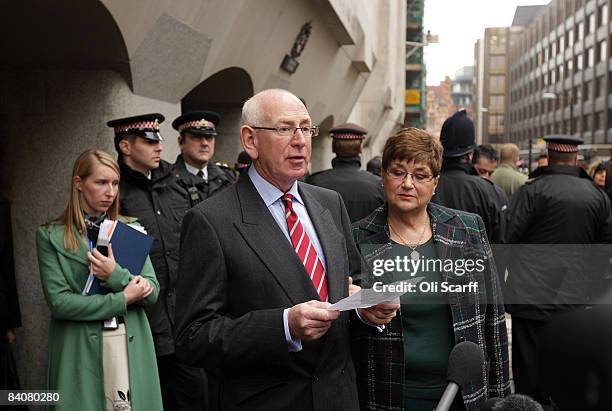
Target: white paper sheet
(368, 297)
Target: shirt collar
(193, 170)
(268, 192)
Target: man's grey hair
(252, 108)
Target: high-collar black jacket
(198, 189)
(361, 191)
(460, 190)
(554, 221)
(159, 204)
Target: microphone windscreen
(489, 404)
(517, 402)
(465, 363)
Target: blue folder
(130, 248)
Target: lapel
(57, 241)
(264, 236)
(332, 243)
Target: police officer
(458, 187)
(200, 177)
(560, 206)
(361, 191)
(149, 191)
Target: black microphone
(464, 365)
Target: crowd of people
(232, 307)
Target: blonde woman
(101, 354)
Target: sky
(458, 24)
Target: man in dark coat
(361, 191)
(458, 188)
(265, 258)
(196, 172)
(552, 218)
(10, 315)
(149, 191)
(484, 162)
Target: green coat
(75, 333)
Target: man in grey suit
(260, 263)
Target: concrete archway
(74, 34)
(223, 92)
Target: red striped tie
(304, 249)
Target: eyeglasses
(290, 131)
(418, 177)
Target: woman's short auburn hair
(415, 144)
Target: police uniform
(159, 203)
(560, 206)
(200, 184)
(361, 191)
(458, 188)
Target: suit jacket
(237, 273)
(477, 316)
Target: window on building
(586, 90)
(599, 84)
(579, 31)
(496, 102)
(603, 15)
(590, 54)
(561, 43)
(598, 121)
(497, 83)
(569, 68)
(560, 72)
(570, 37)
(496, 123)
(552, 79)
(552, 49)
(590, 26)
(601, 55)
(498, 62)
(578, 63)
(588, 123)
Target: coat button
(131, 338)
(158, 212)
(315, 379)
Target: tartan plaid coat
(477, 316)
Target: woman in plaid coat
(403, 367)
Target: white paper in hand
(368, 297)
